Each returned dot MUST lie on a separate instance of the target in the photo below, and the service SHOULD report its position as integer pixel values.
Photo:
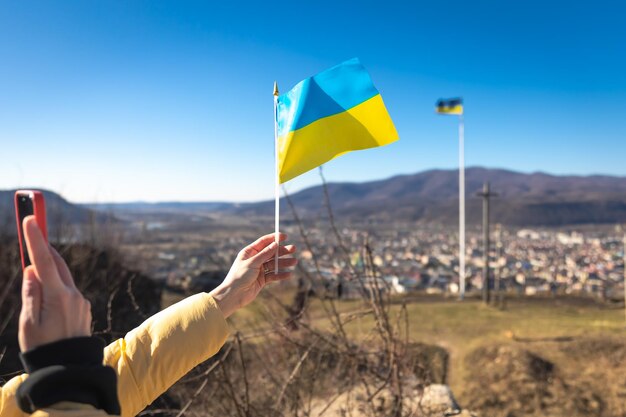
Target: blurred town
(402, 257)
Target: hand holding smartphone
(29, 203)
(53, 308)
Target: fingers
(281, 276)
(39, 253)
(270, 253)
(85, 327)
(30, 315)
(31, 298)
(264, 255)
(64, 271)
(261, 243)
(282, 264)
(287, 250)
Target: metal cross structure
(486, 194)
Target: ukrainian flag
(336, 111)
(449, 106)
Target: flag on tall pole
(454, 106)
(450, 106)
(334, 112)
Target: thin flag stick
(277, 179)
(461, 206)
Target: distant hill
(161, 207)
(60, 212)
(536, 199)
(524, 199)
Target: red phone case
(39, 211)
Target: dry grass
(571, 334)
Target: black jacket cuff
(68, 370)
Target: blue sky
(171, 100)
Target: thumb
(265, 254)
(31, 298)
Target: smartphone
(29, 203)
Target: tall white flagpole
(277, 179)
(461, 207)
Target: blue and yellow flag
(449, 106)
(336, 111)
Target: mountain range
(432, 196)
(536, 199)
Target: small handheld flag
(336, 111)
(449, 106)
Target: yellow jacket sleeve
(155, 355)
(148, 360)
(8, 403)
(70, 410)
